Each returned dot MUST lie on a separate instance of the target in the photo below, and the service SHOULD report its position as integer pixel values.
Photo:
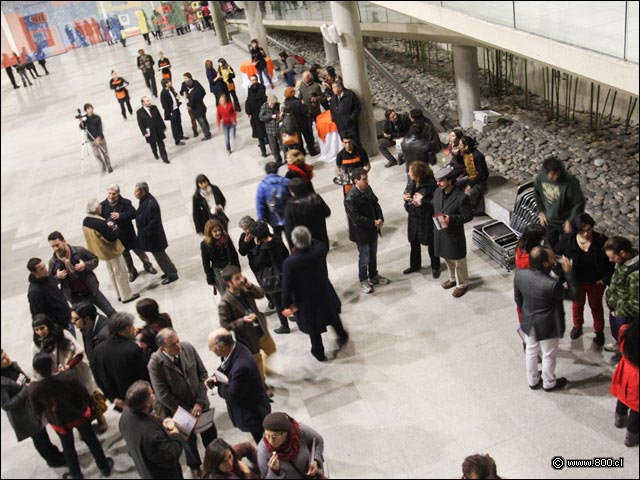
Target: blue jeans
(616, 324)
(290, 78)
(229, 131)
(367, 259)
(264, 72)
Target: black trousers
(257, 434)
(150, 81)
(276, 299)
(632, 423)
(263, 146)
(157, 143)
(383, 145)
(89, 437)
(416, 256)
(317, 347)
(176, 125)
(146, 37)
(307, 134)
(191, 446)
(9, 71)
(141, 255)
(274, 144)
(165, 264)
(554, 231)
(236, 102)
(125, 101)
(46, 449)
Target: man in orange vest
(352, 156)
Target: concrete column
(354, 69)
(465, 64)
(218, 23)
(256, 27)
(331, 52)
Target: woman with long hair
(259, 60)
(208, 203)
(226, 115)
(221, 460)
(227, 73)
(217, 85)
(217, 251)
(532, 236)
(149, 312)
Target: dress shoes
(166, 160)
(132, 276)
(156, 156)
(621, 421)
(152, 271)
(390, 164)
(599, 339)
(575, 333)
(459, 291)
(449, 284)
(435, 272)
(282, 330)
(180, 143)
(168, 280)
(409, 270)
(342, 341)
(206, 138)
(135, 296)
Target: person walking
(118, 85)
(9, 69)
(256, 98)
(195, 97)
(164, 67)
(345, 108)
(93, 125)
(208, 204)
(217, 251)
(152, 128)
(452, 210)
(289, 63)
(238, 382)
(259, 60)
(145, 65)
(227, 73)
(365, 224)
(624, 383)
(45, 297)
(306, 209)
(271, 198)
(120, 210)
(103, 239)
(151, 236)
(226, 115)
(170, 101)
(270, 116)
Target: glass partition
(632, 32)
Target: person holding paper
(452, 210)
(178, 375)
(239, 383)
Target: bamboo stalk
(567, 96)
(591, 109)
(632, 106)
(558, 95)
(597, 110)
(613, 102)
(526, 85)
(575, 94)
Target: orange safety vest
(166, 72)
(120, 94)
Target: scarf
(207, 194)
(68, 265)
(305, 172)
(289, 450)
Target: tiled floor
(426, 380)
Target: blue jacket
(268, 189)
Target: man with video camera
(93, 125)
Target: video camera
(82, 118)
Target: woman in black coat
(417, 203)
(208, 204)
(256, 97)
(217, 252)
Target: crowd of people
(155, 379)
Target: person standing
(452, 210)
(242, 389)
(208, 204)
(94, 328)
(352, 156)
(289, 63)
(93, 125)
(227, 73)
(171, 106)
(73, 268)
(66, 405)
(259, 60)
(475, 183)
(21, 68)
(226, 115)
(151, 236)
(238, 312)
(25, 423)
(559, 199)
(396, 125)
(195, 98)
(271, 198)
(539, 297)
(121, 211)
(164, 67)
(416, 147)
(297, 167)
(152, 128)
(270, 116)
(9, 69)
(217, 253)
(119, 84)
(624, 383)
(256, 97)
(103, 238)
(417, 202)
(365, 224)
(301, 112)
(217, 85)
(45, 297)
(154, 445)
(307, 291)
(177, 376)
(149, 312)
(183, 93)
(145, 65)
(345, 109)
(306, 209)
(221, 460)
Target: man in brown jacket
(238, 312)
(102, 238)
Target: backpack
(276, 203)
(297, 68)
(299, 59)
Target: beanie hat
(277, 422)
(289, 92)
(272, 99)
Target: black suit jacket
(153, 122)
(118, 363)
(450, 242)
(167, 103)
(127, 213)
(196, 95)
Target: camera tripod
(85, 145)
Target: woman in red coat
(227, 117)
(624, 384)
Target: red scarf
(290, 448)
(305, 173)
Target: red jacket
(624, 384)
(522, 261)
(226, 114)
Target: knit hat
(444, 172)
(277, 422)
(289, 92)
(272, 99)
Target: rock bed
(607, 166)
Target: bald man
(152, 128)
(239, 383)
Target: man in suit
(119, 361)
(151, 236)
(195, 97)
(242, 389)
(345, 109)
(178, 375)
(152, 127)
(539, 297)
(154, 447)
(94, 328)
(121, 211)
(452, 206)
(171, 106)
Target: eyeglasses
(275, 436)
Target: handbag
(270, 278)
(98, 405)
(290, 139)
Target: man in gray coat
(452, 210)
(539, 297)
(177, 375)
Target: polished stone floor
(426, 380)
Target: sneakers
(599, 340)
(611, 347)
(106, 472)
(560, 384)
(365, 287)
(379, 280)
(621, 421)
(631, 440)
(449, 284)
(575, 333)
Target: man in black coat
(154, 447)
(256, 97)
(152, 127)
(307, 290)
(452, 210)
(119, 361)
(540, 299)
(94, 328)
(195, 93)
(120, 210)
(306, 209)
(151, 236)
(93, 125)
(365, 223)
(239, 383)
(171, 106)
(396, 125)
(301, 112)
(345, 109)
(46, 297)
